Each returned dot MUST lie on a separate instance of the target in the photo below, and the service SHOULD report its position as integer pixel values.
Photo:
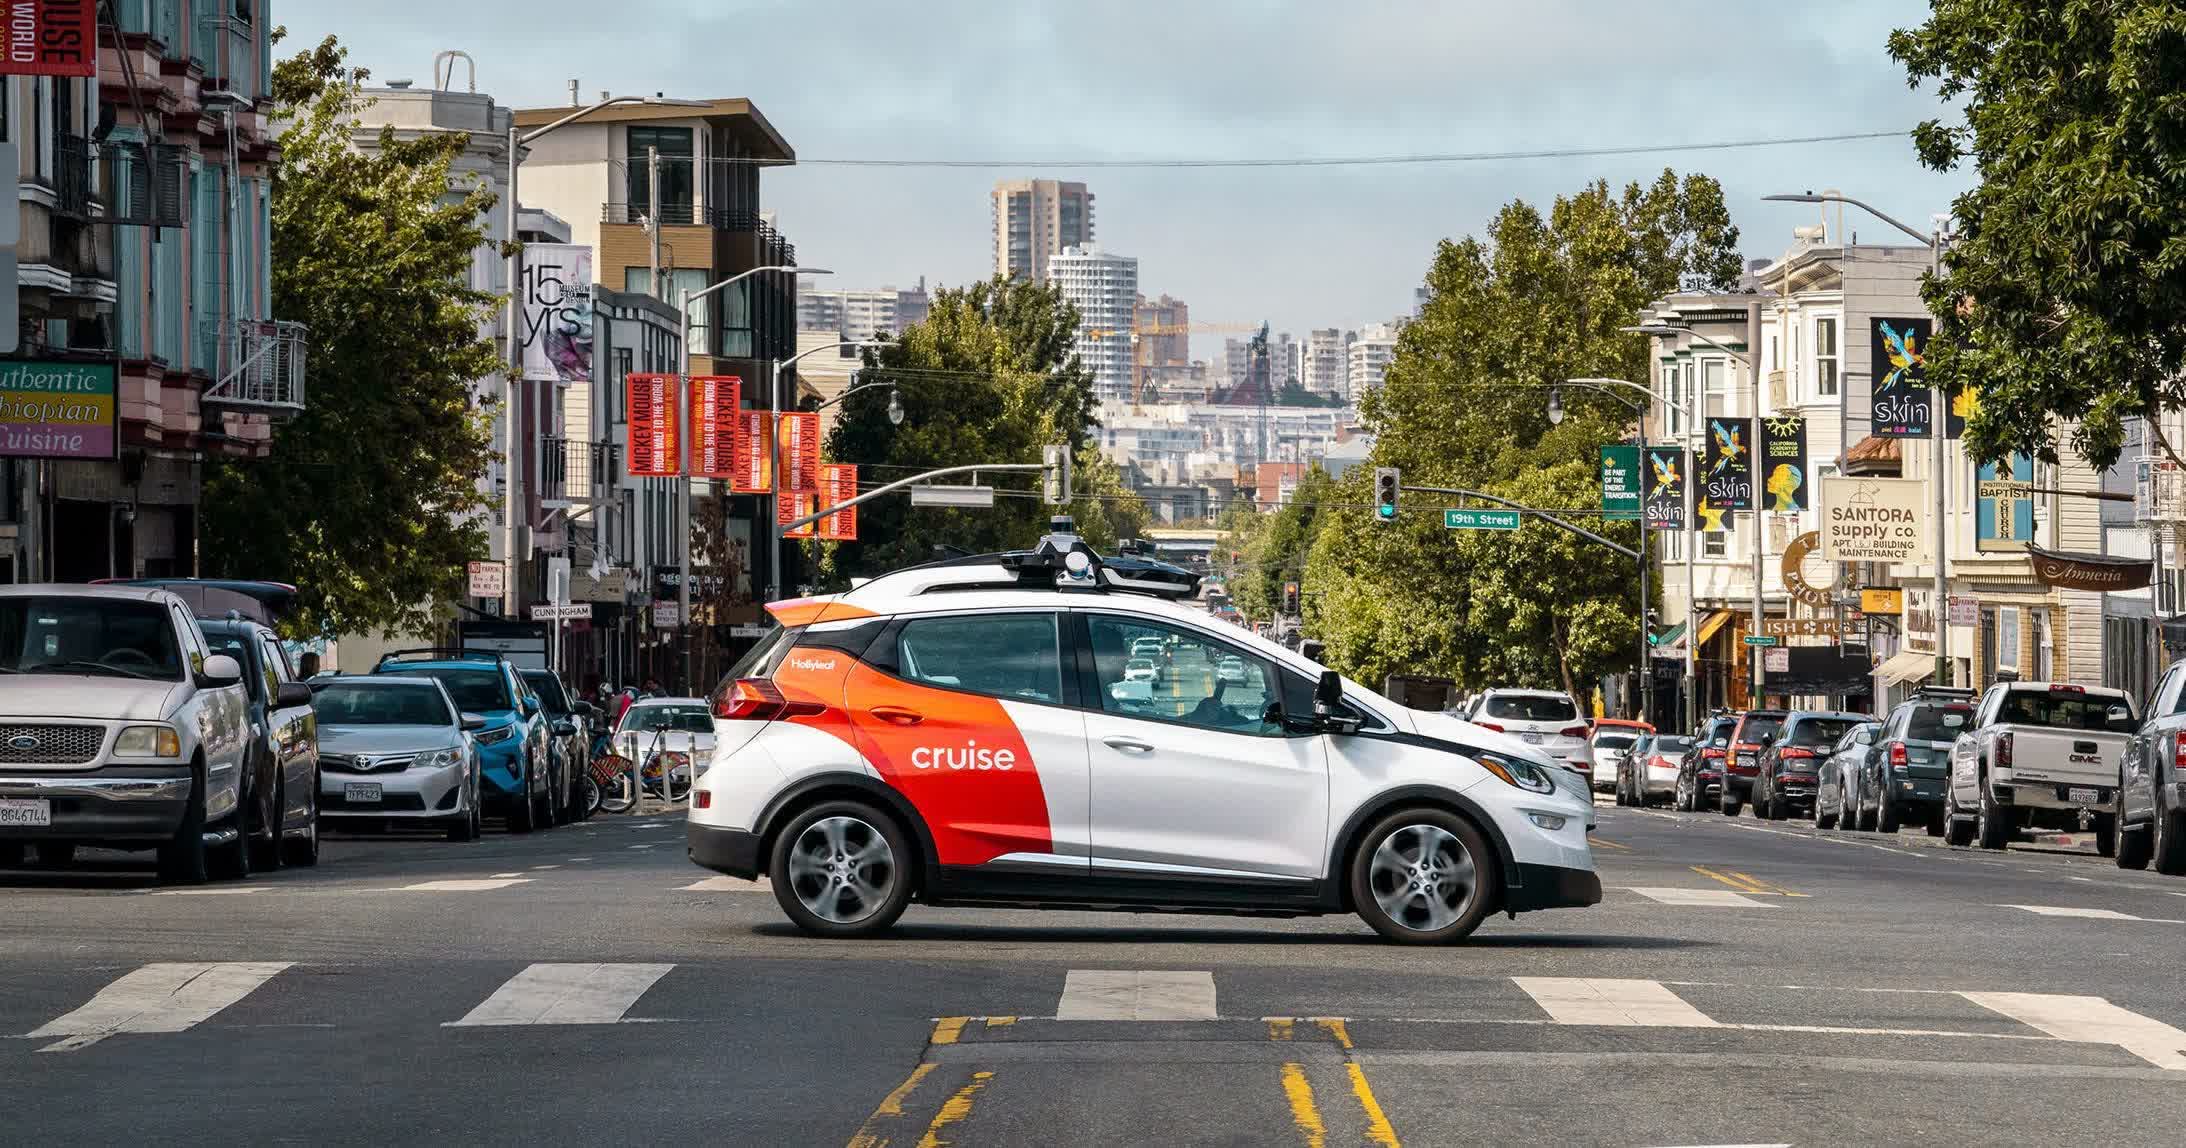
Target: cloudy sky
(1043, 83)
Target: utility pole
(1753, 455)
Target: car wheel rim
(842, 869)
(1423, 877)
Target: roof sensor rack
(1062, 560)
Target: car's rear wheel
(1992, 828)
(2136, 844)
(842, 869)
(2168, 834)
(1423, 877)
(302, 850)
(265, 850)
(1822, 819)
(1886, 812)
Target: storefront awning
(1669, 639)
(1711, 624)
(1906, 666)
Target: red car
(1744, 762)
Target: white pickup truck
(2037, 755)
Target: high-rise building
(1367, 360)
(1105, 290)
(1324, 365)
(1284, 360)
(1164, 352)
(1035, 220)
(862, 314)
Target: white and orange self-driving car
(973, 732)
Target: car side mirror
(531, 707)
(292, 694)
(219, 670)
(472, 723)
(1327, 692)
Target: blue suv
(517, 771)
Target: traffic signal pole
(1543, 515)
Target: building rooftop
(741, 117)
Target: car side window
(276, 660)
(1013, 656)
(2169, 698)
(265, 672)
(1196, 681)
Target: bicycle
(666, 775)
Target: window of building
(2007, 638)
(1714, 543)
(1673, 546)
(1714, 387)
(1673, 423)
(2043, 661)
(676, 161)
(1825, 357)
(677, 282)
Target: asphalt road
(1743, 983)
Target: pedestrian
(307, 666)
(652, 688)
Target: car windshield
(1719, 734)
(1668, 745)
(1822, 731)
(1615, 740)
(2059, 709)
(1758, 727)
(1532, 707)
(481, 690)
(380, 703)
(89, 635)
(549, 689)
(672, 718)
(1938, 723)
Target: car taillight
(1898, 755)
(2003, 750)
(2062, 688)
(1489, 725)
(1572, 731)
(1711, 753)
(757, 699)
(2178, 753)
(1793, 752)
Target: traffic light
(1290, 599)
(1385, 494)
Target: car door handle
(1127, 745)
(897, 716)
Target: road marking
(1609, 843)
(1716, 898)
(1303, 1112)
(1378, 1129)
(1121, 994)
(724, 885)
(505, 876)
(1761, 886)
(2090, 914)
(216, 891)
(1740, 882)
(1281, 1028)
(546, 867)
(463, 885)
(868, 1134)
(954, 1110)
(947, 1029)
(580, 859)
(564, 994)
(653, 845)
(2091, 1020)
(1603, 1001)
(164, 997)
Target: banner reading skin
(1726, 477)
(1665, 486)
(839, 484)
(1783, 463)
(1900, 404)
(649, 406)
(714, 403)
(50, 38)
(800, 439)
(754, 472)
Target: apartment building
(1366, 360)
(1104, 287)
(1325, 362)
(862, 314)
(1036, 220)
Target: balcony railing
(722, 219)
(72, 176)
(577, 472)
(254, 362)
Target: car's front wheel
(1423, 877)
(841, 869)
(302, 850)
(464, 825)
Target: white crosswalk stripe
(2090, 914)
(464, 885)
(166, 997)
(565, 994)
(1709, 898)
(1115, 994)
(726, 885)
(1577, 1000)
(2093, 1020)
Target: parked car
(396, 749)
(1700, 771)
(515, 768)
(2037, 755)
(1836, 783)
(2151, 802)
(1140, 670)
(282, 823)
(1608, 745)
(1791, 758)
(569, 739)
(1904, 778)
(120, 729)
(1547, 720)
(1743, 764)
(1649, 772)
(1229, 670)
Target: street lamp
(1555, 406)
(1936, 417)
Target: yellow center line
(868, 1134)
(1303, 1112)
(1609, 843)
(947, 1029)
(954, 1110)
(1280, 1028)
(1765, 886)
(1743, 885)
(1334, 1027)
(1378, 1128)
(1000, 1021)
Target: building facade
(1104, 287)
(1325, 362)
(1036, 220)
(1366, 361)
(862, 314)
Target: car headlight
(148, 741)
(494, 736)
(1523, 774)
(439, 758)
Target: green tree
(1276, 551)
(2064, 293)
(1539, 300)
(369, 499)
(990, 375)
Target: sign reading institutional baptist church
(1874, 520)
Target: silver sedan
(395, 748)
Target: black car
(1790, 761)
(568, 739)
(1700, 771)
(283, 828)
(1904, 778)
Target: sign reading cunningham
(56, 410)
(1874, 520)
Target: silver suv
(119, 729)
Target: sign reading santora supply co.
(1874, 520)
(56, 410)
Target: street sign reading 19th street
(1480, 519)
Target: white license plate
(1531, 738)
(361, 793)
(2083, 796)
(28, 812)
